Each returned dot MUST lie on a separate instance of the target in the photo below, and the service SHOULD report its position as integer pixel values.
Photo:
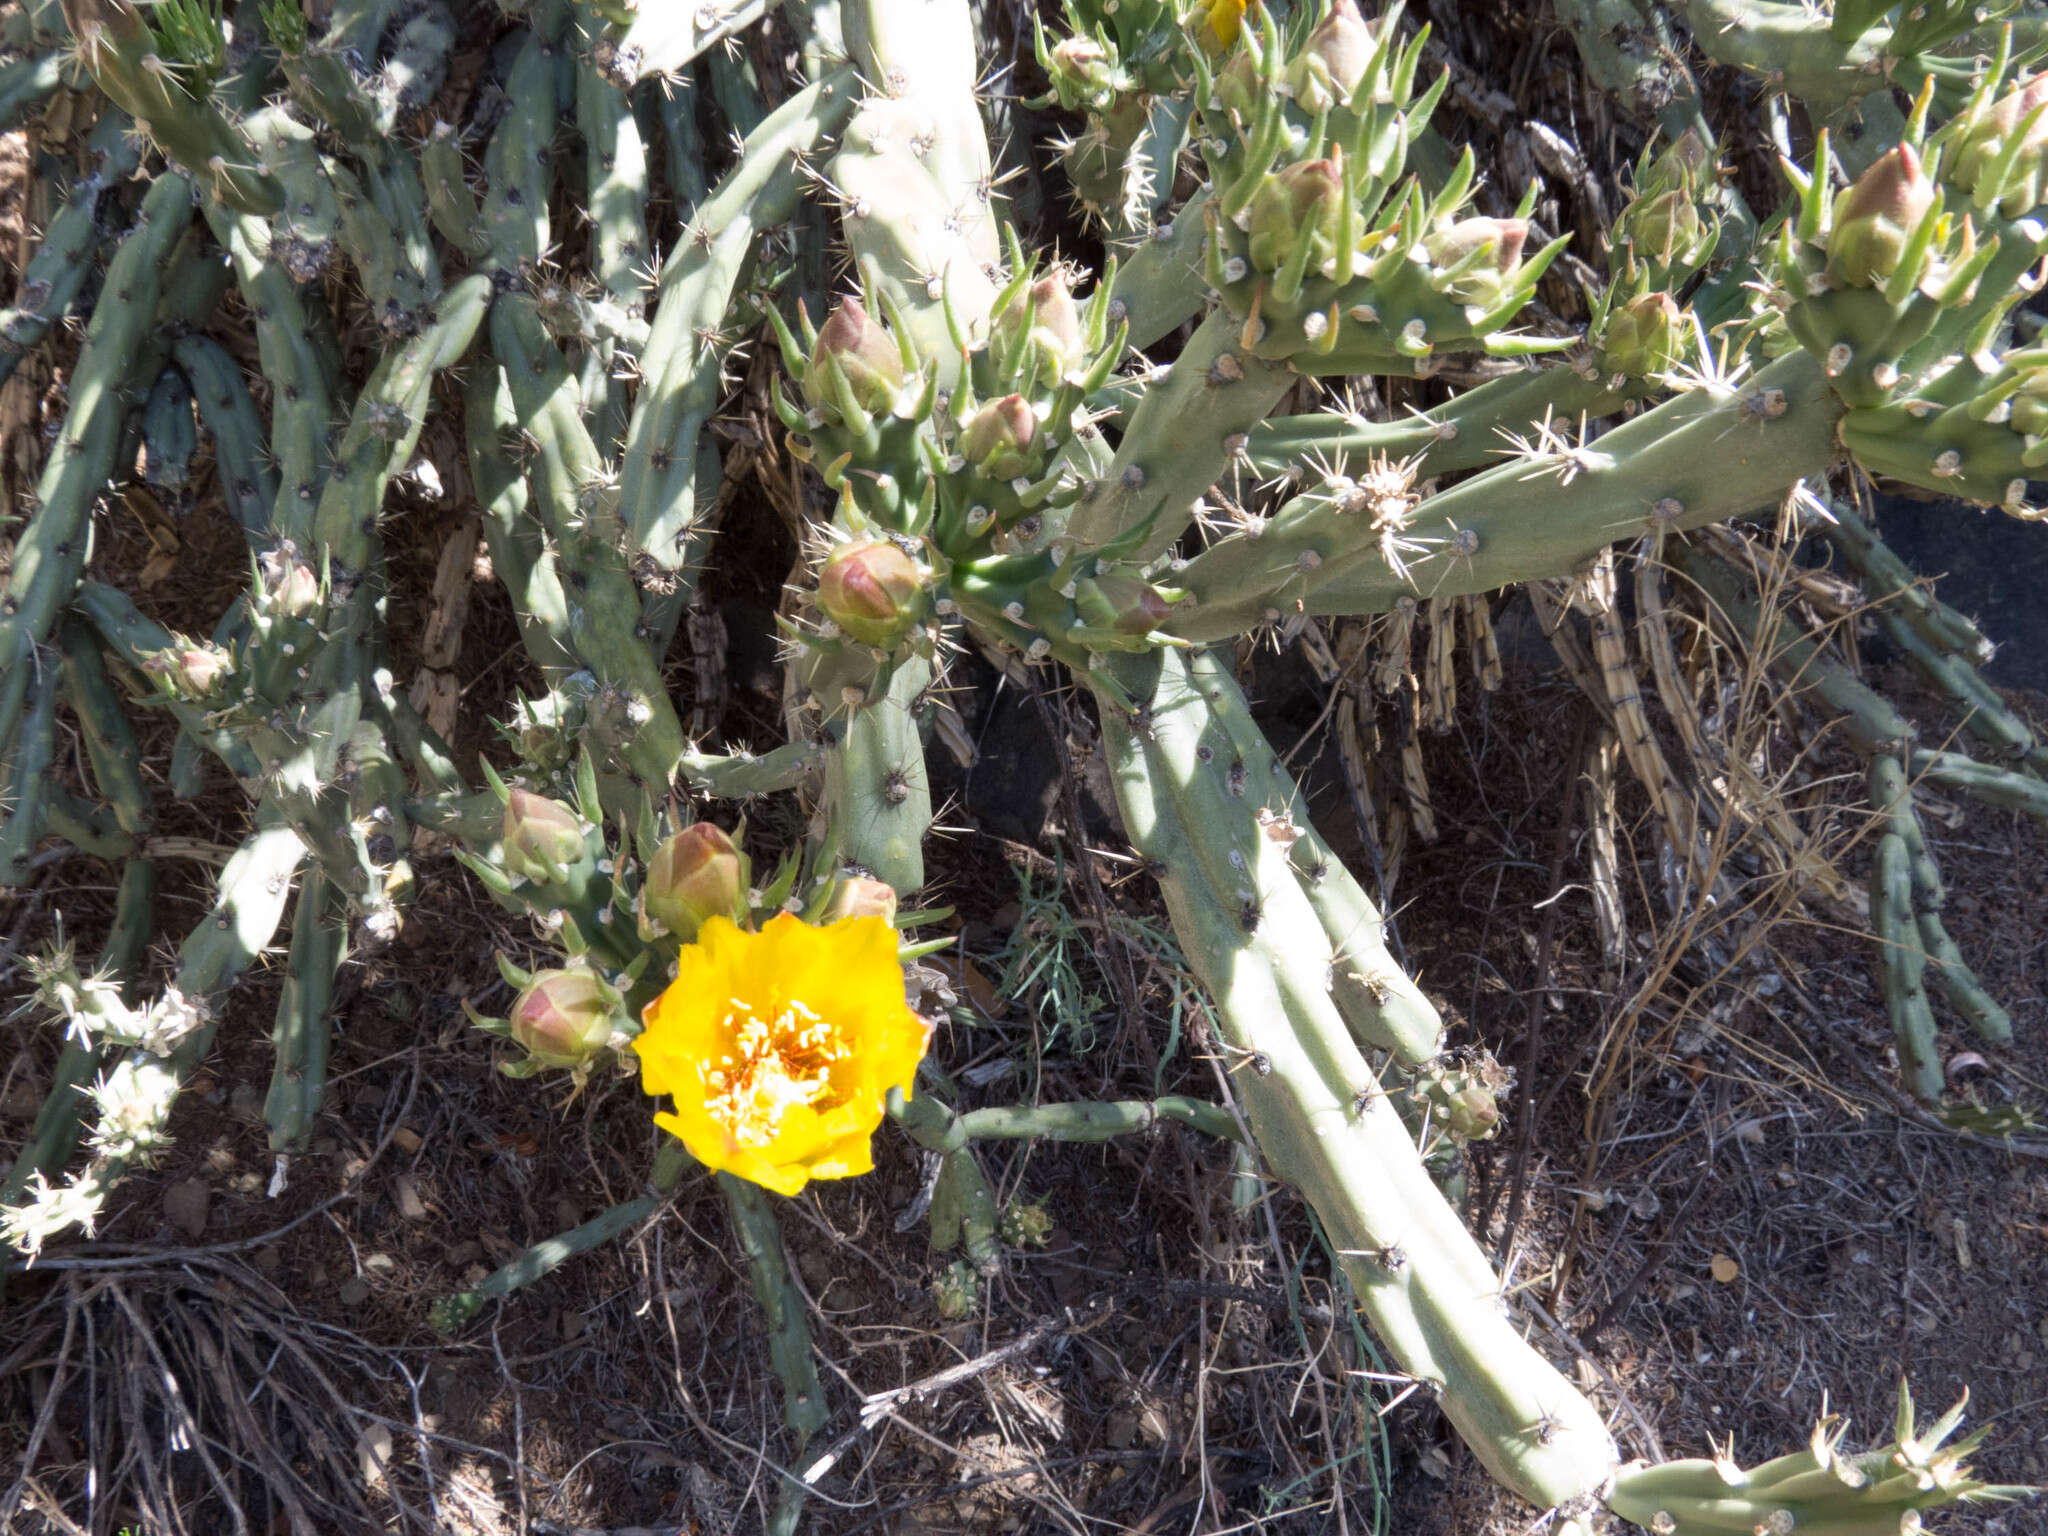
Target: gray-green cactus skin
(994, 464)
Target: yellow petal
(848, 1159)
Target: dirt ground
(1712, 1204)
(1729, 1225)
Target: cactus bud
(1666, 230)
(873, 591)
(294, 589)
(542, 838)
(1238, 86)
(1081, 70)
(1055, 332)
(696, 875)
(193, 671)
(1483, 281)
(957, 1291)
(1684, 166)
(862, 351)
(998, 438)
(1333, 61)
(858, 896)
(1875, 217)
(2029, 406)
(1121, 601)
(1024, 1224)
(1644, 337)
(1462, 1094)
(564, 1018)
(1984, 140)
(1301, 201)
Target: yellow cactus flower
(779, 1047)
(1224, 20)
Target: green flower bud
(565, 1018)
(1055, 333)
(873, 591)
(696, 875)
(1462, 1094)
(1874, 218)
(861, 350)
(1483, 282)
(1238, 86)
(541, 838)
(1301, 201)
(1121, 601)
(1024, 1224)
(997, 441)
(1333, 61)
(858, 896)
(957, 1291)
(2030, 406)
(1684, 166)
(1984, 140)
(1666, 230)
(1644, 337)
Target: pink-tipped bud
(193, 671)
(860, 349)
(1334, 59)
(1055, 330)
(1081, 69)
(696, 875)
(1983, 143)
(542, 839)
(1303, 201)
(296, 590)
(1645, 337)
(1875, 218)
(565, 1017)
(858, 896)
(873, 591)
(998, 439)
(1486, 279)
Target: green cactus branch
(49, 554)
(1715, 453)
(1321, 1119)
(686, 348)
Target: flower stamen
(773, 1068)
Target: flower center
(773, 1067)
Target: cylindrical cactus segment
(1317, 1111)
(298, 1080)
(1381, 1004)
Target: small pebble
(186, 1203)
(410, 1205)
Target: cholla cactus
(998, 466)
